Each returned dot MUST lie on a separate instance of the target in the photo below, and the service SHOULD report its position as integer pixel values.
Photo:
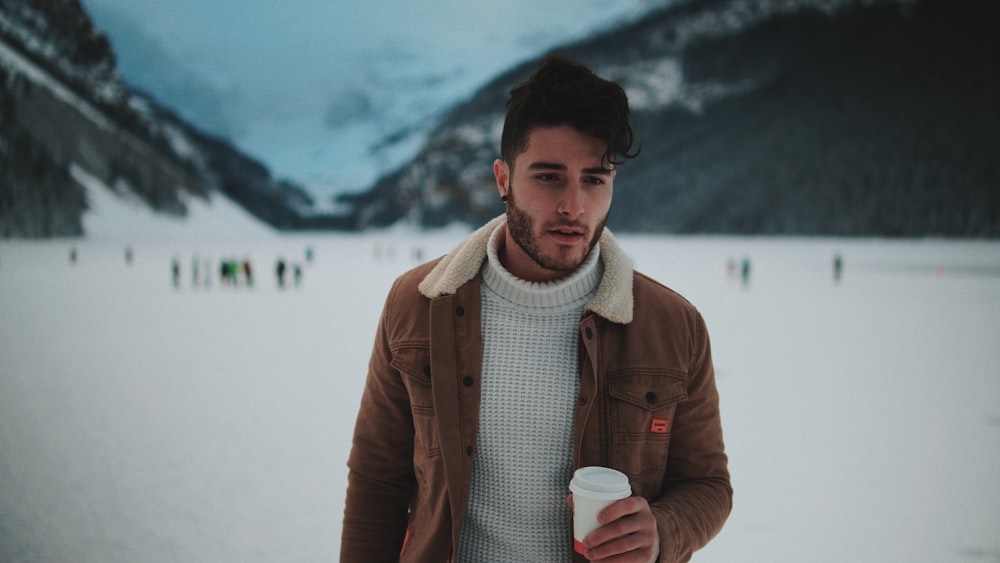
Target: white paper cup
(593, 489)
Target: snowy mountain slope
(834, 117)
(333, 94)
(63, 105)
(113, 217)
(806, 117)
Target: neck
(579, 283)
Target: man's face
(558, 197)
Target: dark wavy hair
(564, 92)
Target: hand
(627, 534)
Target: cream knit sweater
(524, 454)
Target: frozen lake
(144, 422)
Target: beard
(522, 230)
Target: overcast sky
(308, 85)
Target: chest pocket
(641, 410)
(414, 364)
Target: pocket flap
(415, 363)
(650, 391)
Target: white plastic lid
(600, 482)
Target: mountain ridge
(801, 117)
(817, 118)
(63, 103)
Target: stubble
(522, 230)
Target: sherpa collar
(613, 300)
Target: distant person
(533, 349)
(195, 271)
(297, 272)
(248, 272)
(309, 254)
(838, 267)
(279, 271)
(72, 256)
(128, 255)
(745, 272)
(175, 269)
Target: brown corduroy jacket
(648, 406)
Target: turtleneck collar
(579, 285)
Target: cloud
(147, 66)
(346, 107)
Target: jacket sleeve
(697, 495)
(380, 467)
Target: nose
(571, 204)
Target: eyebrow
(557, 166)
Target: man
(528, 351)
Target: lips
(566, 235)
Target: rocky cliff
(64, 109)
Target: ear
(502, 174)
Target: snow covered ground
(145, 422)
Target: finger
(609, 533)
(633, 547)
(633, 528)
(622, 508)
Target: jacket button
(583, 399)
(651, 398)
(467, 380)
(468, 450)
(460, 311)
(589, 333)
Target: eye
(547, 177)
(595, 180)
